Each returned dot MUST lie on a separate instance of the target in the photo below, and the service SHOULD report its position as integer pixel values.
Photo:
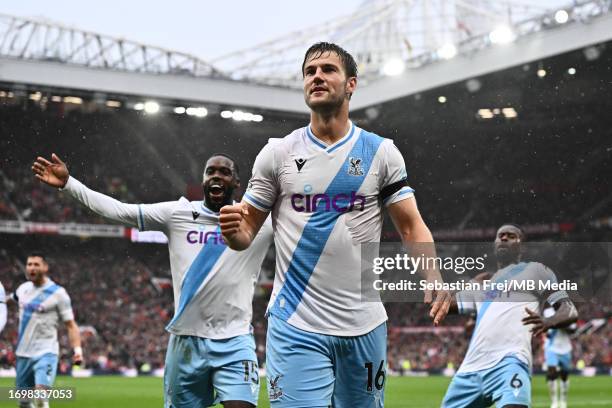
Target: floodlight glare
(561, 16)
(447, 51)
(179, 110)
(502, 35)
(151, 107)
(227, 114)
(393, 67)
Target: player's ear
(350, 86)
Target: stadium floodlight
(36, 96)
(257, 118)
(201, 112)
(113, 104)
(571, 71)
(442, 99)
(447, 51)
(73, 99)
(179, 110)
(485, 113)
(394, 67)
(509, 113)
(226, 114)
(541, 73)
(198, 112)
(56, 98)
(151, 107)
(502, 35)
(238, 115)
(561, 16)
(139, 106)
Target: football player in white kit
(43, 304)
(211, 353)
(497, 365)
(558, 355)
(2, 307)
(326, 186)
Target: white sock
(39, 403)
(564, 389)
(25, 404)
(552, 389)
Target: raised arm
(412, 229)
(55, 174)
(240, 223)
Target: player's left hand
(440, 306)
(540, 325)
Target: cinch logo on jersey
(201, 237)
(324, 203)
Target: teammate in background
(211, 352)
(326, 185)
(2, 307)
(497, 365)
(42, 305)
(558, 354)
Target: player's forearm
(565, 315)
(239, 241)
(102, 204)
(2, 316)
(74, 335)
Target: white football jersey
(499, 330)
(325, 202)
(2, 307)
(41, 309)
(557, 340)
(213, 284)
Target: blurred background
(502, 112)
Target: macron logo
(300, 163)
(325, 203)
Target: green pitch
(408, 392)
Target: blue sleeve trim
(256, 202)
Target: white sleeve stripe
(256, 203)
(402, 192)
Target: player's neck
(41, 282)
(330, 128)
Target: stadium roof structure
(401, 46)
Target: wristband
(78, 350)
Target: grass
(401, 392)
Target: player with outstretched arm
(211, 353)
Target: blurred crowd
(122, 313)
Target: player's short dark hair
(320, 48)
(518, 227)
(38, 254)
(230, 158)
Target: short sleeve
(262, 189)
(64, 306)
(466, 301)
(155, 217)
(546, 276)
(394, 182)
